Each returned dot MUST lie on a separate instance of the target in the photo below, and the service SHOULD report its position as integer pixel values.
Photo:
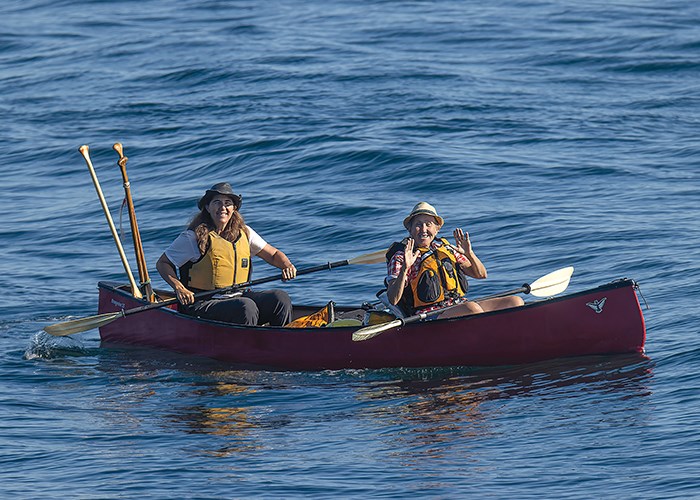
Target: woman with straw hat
(426, 273)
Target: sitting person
(427, 273)
(215, 252)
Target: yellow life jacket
(439, 277)
(223, 265)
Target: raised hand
(410, 256)
(462, 242)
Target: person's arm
(394, 289)
(473, 266)
(277, 258)
(167, 271)
(396, 286)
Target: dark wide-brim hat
(220, 188)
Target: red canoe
(603, 320)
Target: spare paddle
(84, 324)
(145, 281)
(548, 285)
(84, 150)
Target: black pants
(251, 308)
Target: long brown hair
(202, 224)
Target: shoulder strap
(184, 270)
(446, 243)
(395, 247)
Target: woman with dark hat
(427, 273)
(215, 252)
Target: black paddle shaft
(412, 319)
(209, 293)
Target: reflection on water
(231, 422)
(429, 413)
(409, 414)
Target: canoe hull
(603, 320)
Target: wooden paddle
(84, 150)
(145, 281)
(548, 285)
(84, 324)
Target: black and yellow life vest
(439, 277)
(223, 265)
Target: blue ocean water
(557, 133)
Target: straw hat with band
(423, 208)
(220, 188)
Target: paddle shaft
(84, 324)
(546, 286)
(84, 150)
(260, 281)
(146, 287)
(412, 319)
(548, 282)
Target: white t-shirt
(185, 248)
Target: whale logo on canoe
(597, 305)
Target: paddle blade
(81, 325)
(553, 283)
(370, 258)
(373, 330)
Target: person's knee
(472, 307)
(464, 309)
(283, 299)
(508, 302)
(502, 303)
(242, 311)
(283, 308)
